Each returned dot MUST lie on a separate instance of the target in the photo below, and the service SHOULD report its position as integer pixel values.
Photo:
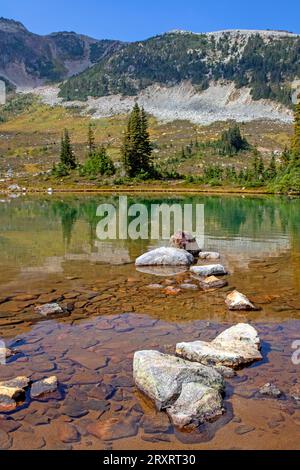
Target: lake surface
(50, 252)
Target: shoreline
(150, 190)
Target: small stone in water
(270, 390)
(209, 270)
(44, 386)
(172, 290)
(210, 255)
(189, 286)
(237, 301)
(212, 282)
(49, 309)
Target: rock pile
(190, 387)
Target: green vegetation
(289, 179)
(67, 157)
(232, 142)
(98, 164)
(16, 105)
(266, 66)
(137, 149)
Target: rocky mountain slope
(267, 62)
(29, 60)
(235, 74)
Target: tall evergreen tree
(272, 170)
(296, 136)
(67, 157)
(91, 140)
(137, 150)
(261, 168)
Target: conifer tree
(261, 168)
(272, 171)
(91, 140)
(137, 150)
(67, 157)
(296, 136)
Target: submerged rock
(209, 255)
(237, 301)
(185, 241)
(187, 286)
(270, 390)
(171, 290)
(196, 404)
(209, 270)
(10, 397)
(161, 376)
(165, 257)
(212, 282)
(44, 386)
(162, 271)
(295, 392)
(49, 309)
(235, 347)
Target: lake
(50, 252)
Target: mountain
(266, 62)
(29, 60)
(201, 77)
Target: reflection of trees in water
(68, 216)
(224, 215)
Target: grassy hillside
(31, 131)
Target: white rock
(44, 386)
(235, 347)
(49, 309)
(197, 404)
(237, 301)
(14, 188)
(165, 257)
(11, 393)
(18, 382)
(161, 376)
(209, 255)
(209, 270)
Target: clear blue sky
(138, 19)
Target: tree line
(137, 150)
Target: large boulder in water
(165, 257)
(235, 347)
(189, 392)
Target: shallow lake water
(50, 252)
